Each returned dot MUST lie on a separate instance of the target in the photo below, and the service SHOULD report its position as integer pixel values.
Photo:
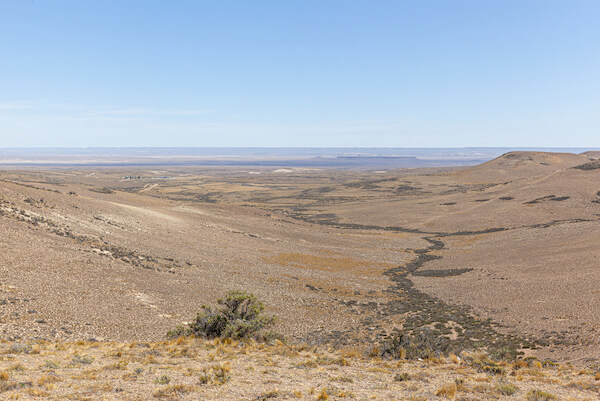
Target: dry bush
(447, 390)
(164, 379)
(539, 395)
(520, 364)
(421, 343)
(507, 388)
(46, 379)
(268, 395)
(172, 391)
(323, 395)
(402, 377)
(7, 385)
(216, 374)
(38, 393)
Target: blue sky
(299, 73)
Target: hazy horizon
(307, 157)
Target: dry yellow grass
(326, 263)
(192, 369)
(447, 390)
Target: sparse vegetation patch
(548, 198)
(102, 190)
(240, 317)
(595, 165)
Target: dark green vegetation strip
(454, 328)
(595, 165)
(451, 328)
(548, 198)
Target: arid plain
(499, 256)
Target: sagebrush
(240, 316)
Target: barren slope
(515, 165)
(126, 266)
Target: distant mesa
(592, 154)
(522, 164)
(551, 161)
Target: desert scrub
(447, 391)
(421, 343)
(268, 395)
(217, 374)
(539, 395)
(487, 365)
(323, 395)
(175, 391)
(402, 377)
(102, 190)
(51, 365)
(164, 379)
(20, 348)
(240, 317)
(81, 360)
(507, 389)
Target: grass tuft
(176, 390)
(539, 395)
(447, 390)
(323, 395)
(507, 388)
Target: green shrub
(239, 317)
(179, 331)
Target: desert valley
(299, 200)
(498, 258)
